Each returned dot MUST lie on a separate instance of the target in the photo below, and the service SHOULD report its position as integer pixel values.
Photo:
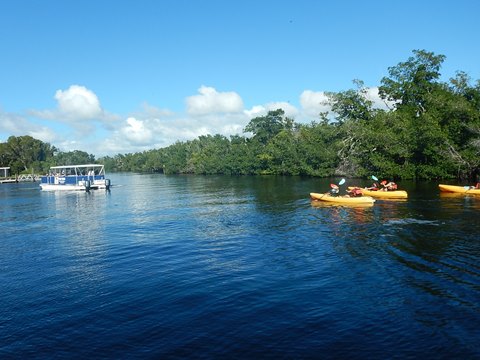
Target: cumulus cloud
(210, 101)
(373, 95)
(139, 134)
(262, 110)
(78, 102)
(210, 112)
(153, 127)
(313, 103)
(136, 132)
(79, 108)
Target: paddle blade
(374, 178)
(341, 182)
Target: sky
(115, 76)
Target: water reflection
(161, 256)
(79, 226)
(323, 204)
(459, 202)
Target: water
(236, 267)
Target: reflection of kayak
(459, 189)
(342, 199)
(451, 195)
(395, 194)
(324, 204)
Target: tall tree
(410, 82)
(266, 127)
(353, 111)
(23, 152)
(412, 85)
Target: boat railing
(70, 179)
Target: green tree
(283, 154)
(176, 158)
(412, 85)
(209, 155)
(353, 111)
(240, 159)
(25, 152)
(410, 82)
(266, 127)
(76, 157)
(318, 148)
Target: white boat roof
(76, 166)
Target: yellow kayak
(459, 189)
(395, 194)
(342, 199)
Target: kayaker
(384, 185)
(390, 186)
(354, 192)
(334, 190)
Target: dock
(6, 178)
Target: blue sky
(121, 76)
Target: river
(236, 267)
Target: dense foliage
(431, 130)
(24, 154)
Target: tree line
(430, 131)
(25, 155)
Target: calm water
(236, 267)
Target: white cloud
(145, 133)
(378, 102)
(79, 103)
(210, 101)
(262, 110)
(80, 109)
(17, 125)
(136, 132)
(313, 103)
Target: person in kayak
(356, 191)
(334, 190)
(390, 186)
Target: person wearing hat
(335, 190)
(390, 186)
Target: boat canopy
(96, 169)
(77, 166)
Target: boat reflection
(446, 195)
(392, 200)
(323, 204)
